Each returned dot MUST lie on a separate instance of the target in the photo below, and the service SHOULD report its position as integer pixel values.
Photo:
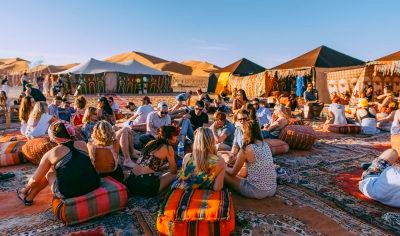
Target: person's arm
(90, 152)
(41, 171)
(219, 180)
(171, 160)
(305, 96)
(241, 159)
(221, 138)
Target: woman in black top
(66, 167)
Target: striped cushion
(11, 153)
(277, 146)
(294, 121)
(35, 149)
(343, 129)
(298, 136)
(16, 135)
(197, 212)
(139, 127)
(109, 197)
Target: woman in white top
(39, 121)
(253, 174)
(366, 116)
(337, 112)
(25, 109)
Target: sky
(221, 32)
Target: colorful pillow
(139, 127)
(35, 149)
(277, 146)
(13, 136)
(197, 212)
(298, 136)
(110, 196)
(11, 153)
(343, 129)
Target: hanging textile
(300, 88)
(222, 82)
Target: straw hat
(363, 102)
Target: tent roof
(320, 57)
(174, 67)
(139, 68)
(143, 58)
(391, 57)
(242, 67)
(94, 66)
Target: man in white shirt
(140, 115)
(114, 105)
(53, 107)
(155, 120)
(263, 114)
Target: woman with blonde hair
(366, 117)
(103, 151)
(203, 168)
(39, 121)
(89, 120)
(253, 174)
(278, 122)
(25, 109)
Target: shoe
(23, 199)
(6, 176)
(365, 166)
(129, 163)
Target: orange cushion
(277, 146)
(294, 121)
(298, 136)
(35, 149)
(11, 153)
(343, 129)
(395, 141)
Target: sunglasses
(242, 119)
(164, 112)
(199, 108)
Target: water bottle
(181, 149)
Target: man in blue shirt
(263, 114)
(313, 107)
(223, 131)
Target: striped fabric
(298, 136)
(197, 212)
(11, 153)
(109, 197)
(16, 135)
(277, 146)
(343, 129)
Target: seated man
(314, 106)
(140, 115)
(53, 107)
(381, 180)
(65, 110)
(155, 120)
(263, 114)
(194, 119)
(223, 132)
(219, 105)
(182, 100)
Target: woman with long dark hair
(240, 100)
(144, 179)
(104, 111)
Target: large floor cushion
(11, 153)
(277, 146)
(343, 129)
(12, 136)
(139, 127)
(298, 136)
(109, 197)
(197, 212)
(34, 149)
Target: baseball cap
(162, 105)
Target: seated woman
(103, 151)
(386, 117)
(336, 113)
(366, 117)
(79, 111)
(381, 180)
(145, 178)
(25, 109)
(39, 121)
(104, 111)
(278, 122)
(4, 101)
(240, 100)
(66, 167)
(202, 169)
(292, 103)
(258, 178)
(89, 120)
(385, 98)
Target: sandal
(26, 202)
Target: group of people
(90, 142)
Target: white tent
(138, 68)
(94, 66)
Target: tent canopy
(323, 57)
(94, 66)
(242, 67)
(391, 57)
